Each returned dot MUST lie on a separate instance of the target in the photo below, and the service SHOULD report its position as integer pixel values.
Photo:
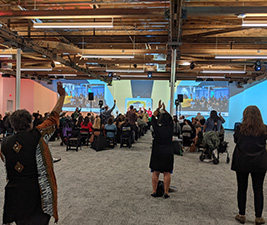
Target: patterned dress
(30, 173)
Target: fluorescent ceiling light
(218, 77)
(73, 25)
(125, 71)
(252, 15)
(109, 56)
(65, 75)
(254, 23)
(36, 69)
(241, 57)
(223, 71)
(5, 56)
(134, 76)
(158, 22)
(185, 64)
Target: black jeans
(242, 185)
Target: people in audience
(162, 153)
(7, 114)
(8, 127)
(107, 113)
(2, 126)
(141, 125)
(133, 119)
(145, 116)
(76, 114)
(149, 112)
(250, 157)
(126, 123)
(31, 190)
(37, 119)
(92, 118)
(199, 116)
(214, 122)
(110, 128)
(176, 127)
(97, 123)
(86, 124)
(79, 121)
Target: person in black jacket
(250, 157)
(162, 152)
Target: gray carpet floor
(113, 187)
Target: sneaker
(241, 219)
(259, 220)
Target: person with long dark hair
(161, 160)
(86, 124)
(80, 120)
(214, 122)
(250, 157)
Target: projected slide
(77, 95)
(199, 97)
(138, 103)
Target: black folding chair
(73, 140)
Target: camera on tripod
(100, 103)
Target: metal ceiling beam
(82, 13)
(215, 32)
(109, 38)
(6, 33)
(223, 11)
(123, 13)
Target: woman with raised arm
(250, 157)
(162, 153)
(31, 190)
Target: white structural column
(18, 75)
(172, 83)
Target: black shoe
(154, 195)
(166, 196)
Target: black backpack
(99, 143)
(160, 189)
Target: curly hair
(252, 123)
(21, 120)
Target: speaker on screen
(180, 98)
(90, 96)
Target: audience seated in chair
(86, 130)
(111, 131)
(126, 133)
